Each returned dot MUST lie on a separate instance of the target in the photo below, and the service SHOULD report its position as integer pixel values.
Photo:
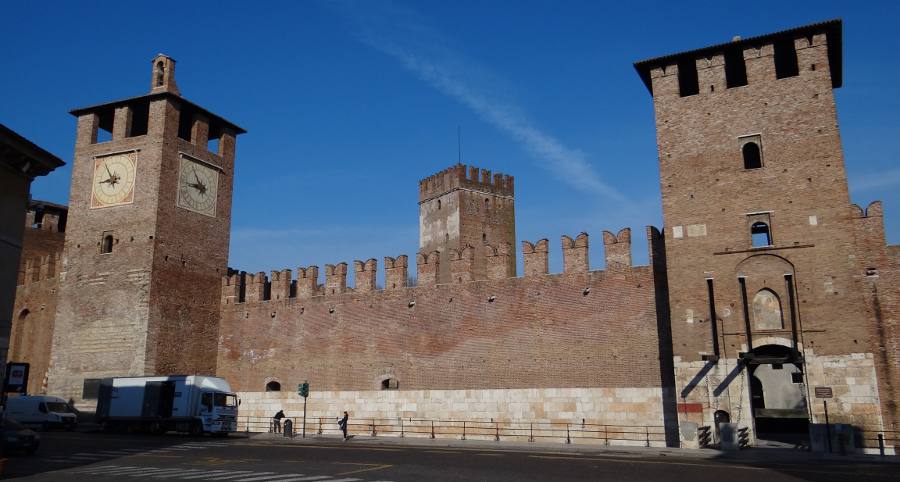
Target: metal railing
(883, 440)
(570, 433)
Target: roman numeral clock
(198, 187)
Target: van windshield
(225, 400)
(59, 407)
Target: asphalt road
(102, 457)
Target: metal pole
(432, 429)
(827, 425)
(881, 444)
(714, 325)
(464, 430)
(304, 417)
(402, 434)
(568, 438)
(747, 330)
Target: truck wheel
(196, 429)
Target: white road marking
(314, 477)
(183, 472)
(213, 473)
(268, 477)
(240, 473)
(231, 477)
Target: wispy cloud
(422, 49)
(876, 180)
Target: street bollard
(881, 444)
(432, 429)
(531, 432)
(568, 438)
(288, 428)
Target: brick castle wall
(576, 329)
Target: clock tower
(147, 240)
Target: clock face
(198, 187)
(113, 182)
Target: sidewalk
(750, 456)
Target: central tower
(461, 207)
(149, 222)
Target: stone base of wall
(614, 416)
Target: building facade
(764, 287)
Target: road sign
(16, 380)
(824, 392)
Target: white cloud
(876, 180)
(427, 53)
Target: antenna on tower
(458, 145)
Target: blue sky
(349, 104)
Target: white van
(42, 410)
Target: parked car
(17, 438)
(42, 411)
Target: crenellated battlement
(811, 51)
(494, 260)
(461, 176)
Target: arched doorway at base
(778, 395)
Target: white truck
(184, 403)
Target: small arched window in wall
(760, 235)
(752, 156)
(106, 244)
(767, 311)
(273, 386)
(439, 203)
(389, 384)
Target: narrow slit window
(106, 244)
(760, 235)
(752, 155)
(688, 84)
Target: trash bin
(288, 427)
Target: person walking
(343, 424)
(276, 421)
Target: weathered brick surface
(587, 329)
(33, 319)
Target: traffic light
(303, 389)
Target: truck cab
(218, 411)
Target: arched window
(107, 244)
(160, 73)
(487, 203)
(767, 311)
(389, 384)
(752, 156)
(760, 235)
(273, 386)
(18, 349)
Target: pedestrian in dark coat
(343, 424)
(276, 420)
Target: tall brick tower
(147, 244)
(767, 289)
(460, 207)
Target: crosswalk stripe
(268, 477)
(98, 469)
(308, 478)
(120, 470)
(183, 472)
(231, 477)
(212, 473)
